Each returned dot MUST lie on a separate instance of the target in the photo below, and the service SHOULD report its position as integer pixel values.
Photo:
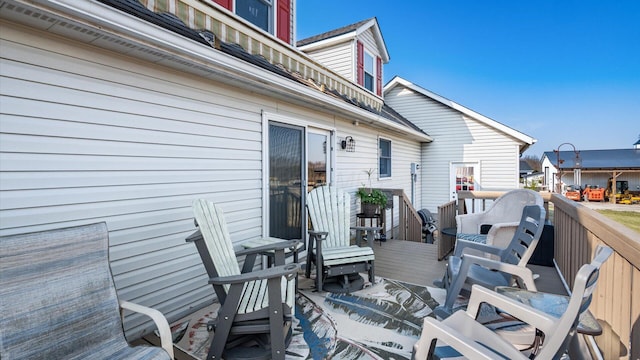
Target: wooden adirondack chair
(464, 336)
(58, 299)
(330, 246)
(464, 269)
(255, 305)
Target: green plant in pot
(371, 200)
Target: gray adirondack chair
(465, 269)
(58, 299)
(330, 248)
(255, 305)
(473, 340)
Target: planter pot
(369, 209)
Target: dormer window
(368, 69)
(369, 72)
(257, 12)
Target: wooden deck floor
(417, 263)
(408, 261)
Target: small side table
(376, 220)
(552, 304)
(271, 255)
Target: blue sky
(559, 71)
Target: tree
(533, 161)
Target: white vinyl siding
(457, 139)
(87, 135)
(338, 58)
(352, 166)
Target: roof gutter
(173, 50)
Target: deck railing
(409, 223)
(577, 232)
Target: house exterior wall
(338, 58)
(89, 135)
(458, 138)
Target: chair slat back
(583, 288)
(526, 237)
(57, 292)
(213, 227)
(330, 211)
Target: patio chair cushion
(58, 299)
(479, 238)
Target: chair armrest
(501, 226)
(284, 244)
(276, 271)
(469, 223)
(522, 272)
(158, 318)
(462, 245)
(366, 228)
(464, 343)
(319, 235)
(523, 312)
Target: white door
(463, 177)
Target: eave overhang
(92, 20)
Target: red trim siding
(360, 67)
(225, 3)
(379, 76)
(284, 21)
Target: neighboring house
(595, 168)
(126, 112)
(469, 151)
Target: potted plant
(371, 199)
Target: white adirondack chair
(254, 304)
(469, 338)
(330, 248)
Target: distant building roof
(525, 168)
(617, 159)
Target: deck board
(408, 261)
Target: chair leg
(372, 273)
(307, 272)
(276, 319)
(226, 316)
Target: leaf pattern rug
(381, 321)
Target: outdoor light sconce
(348, 144)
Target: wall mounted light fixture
(348, 144)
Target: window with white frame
(369, 72)
(384, 151)
(258, 12)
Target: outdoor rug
(381, 321)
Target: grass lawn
(629, 219)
